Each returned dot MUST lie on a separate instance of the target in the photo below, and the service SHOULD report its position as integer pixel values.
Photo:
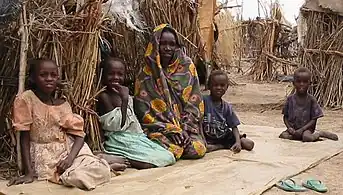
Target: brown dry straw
(70, 38)
(228, 42)
(323, 55)
(181, 14)
(68, 32)
(264, 44)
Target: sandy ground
(253, 102)
(259, 104)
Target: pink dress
(50, 128)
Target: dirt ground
(253, 102)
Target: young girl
(52, 137)
(123, 133)
(302, 111)
(220, 121)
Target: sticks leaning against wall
(323, 55)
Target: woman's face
(168, 46)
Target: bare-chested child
(301, 112)
(123, 133)
(220, 121)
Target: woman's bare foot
(328, 135)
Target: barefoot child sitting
(220, 121)
(301, 112)
(123, 133)
(52, 137)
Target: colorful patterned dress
(169, 101)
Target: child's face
(115, 74)
(302, 82)
(46, 77)
(219, 85)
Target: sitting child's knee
(196, 150)
(247, 144)
(307, 138)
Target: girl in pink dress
(52, 137)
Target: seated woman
(168, 100)
(52, 137)
(123, 134)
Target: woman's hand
(63, 165)
(176, 138)
(237, 147)
(121, 90)
(181, 139)
(21, 180)
(186, 139)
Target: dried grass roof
(335, 6)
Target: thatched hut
(74, 33)
(321, 37)
(266, 42)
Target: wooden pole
(258, 8)
(23, 30)
(240, 40)
(207, 9)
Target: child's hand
(63, 165)
(121, 90)
(298, 134)
(21, 180)
(291, 131)
(237, 147)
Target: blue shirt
(219, 118)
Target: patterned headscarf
(168, 100)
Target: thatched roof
(335, 6)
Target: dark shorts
(227, 141)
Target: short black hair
(104, 64)
(35, 63)
(216, 73)
(33, 66)
(301, 70)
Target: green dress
(129, 141)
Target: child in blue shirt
(220, 121)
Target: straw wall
(70, 38)
(323, 55)
(69, 34)
(181, 14)
(228, 41)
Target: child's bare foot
(328, 135)
(112, 159)
(118, 166)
